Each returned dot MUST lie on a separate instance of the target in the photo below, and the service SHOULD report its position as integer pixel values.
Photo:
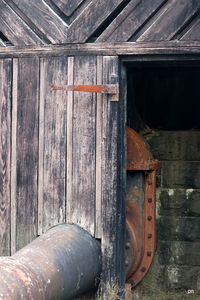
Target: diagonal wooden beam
(193, 33)
(45, 19)
(2, 43)
(91, 19)
(133, 16)
(13, 27)
(170, 20)
(68, 6)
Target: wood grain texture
(112, 212)
(42, 91)
(44, 18)
(5, 152)
(171, 19)
(38, 22)
(14, 28)
(193, 33)
(90, 19)
(54, 142)
(69, 158)
(133, 16)
(2, 43)
(14, 156)
(99, 124)
(27, 151)
(68, 6)
(138, 50)
(84, 129)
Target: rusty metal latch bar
(103, 89)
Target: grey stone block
(181, 277)
(178, 228)
(175, 145)
(179, 253)
(180, 174)
(178, 202)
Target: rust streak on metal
(134, 225)
(139, 158)
(149, 237)
(144, 165)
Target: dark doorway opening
(164, 97)
(163, 104)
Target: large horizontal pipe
(60, 264)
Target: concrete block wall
(177, 262)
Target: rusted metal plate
(144, 165)
(141, 224)
(139, 156)
(149, 231)
(134, 243)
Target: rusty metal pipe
(60, 264)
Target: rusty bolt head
(149, 235)
(143, 269)
(149, 218)
(150, 200)
(128, 244)
(148, 253)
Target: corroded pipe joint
(60, 264)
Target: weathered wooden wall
(65, 21)
(61, 153)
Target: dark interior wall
(163, 105)
(164, 97)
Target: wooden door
(63, 159)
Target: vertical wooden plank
(5, 136)
(27, 151)
(84, 122)
(69, 171)
(14, 156)
(41, 146)
(54, 144)
(99, 121)
(112, 186)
